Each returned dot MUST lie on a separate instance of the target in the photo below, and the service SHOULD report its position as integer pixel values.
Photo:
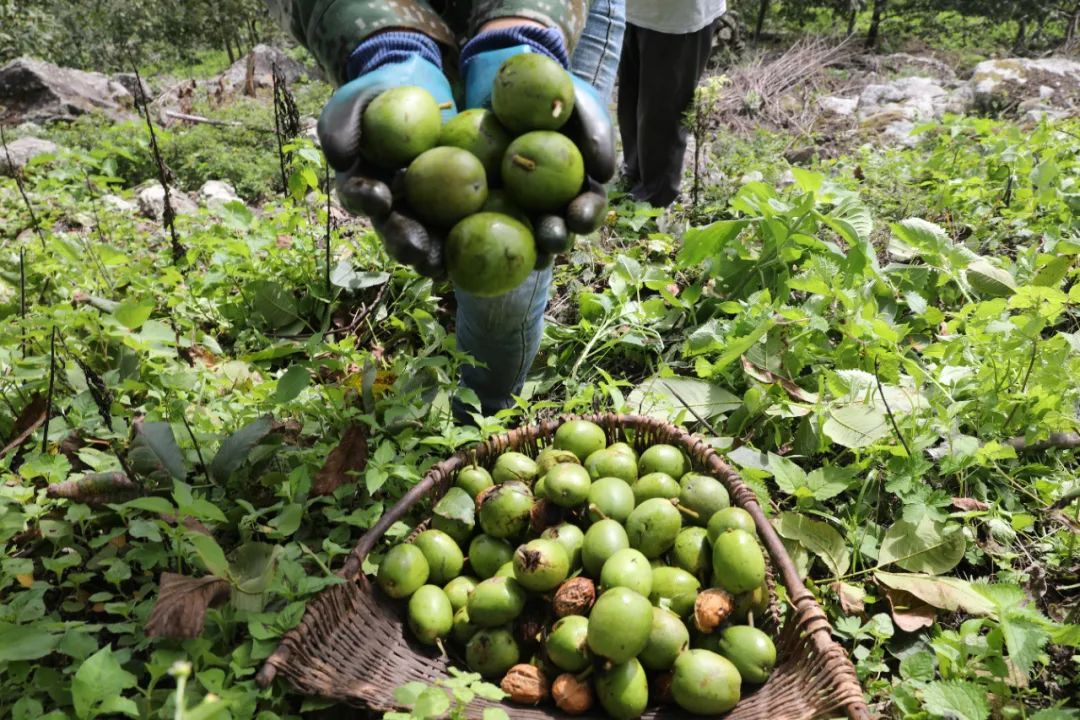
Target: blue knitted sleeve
(391, 47)
(547, 41)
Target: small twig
(198, 450)
(49, 395)
(199, 119)
(1056, 441)
(22, 298)
(17, 174)
(329, 221)
(686, 405)
(1023, 387)
(888, 410)
(100, 233)
(168, 215)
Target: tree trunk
(875, 24)
(228, 50)
(763, 10)
(851, 22)
(1021, 33)
(1074, 25)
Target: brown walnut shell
(574, 597)
(525, 684)
(711, 608)
(572, 696)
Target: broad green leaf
(210, 553)
(1024, 640)
(288, 521)
(25, 642)
(344, 275)
(432, 703)
(274, 304)
(956, 700)
(154, 452)
(151, 504)
(930, 547)
(919, 666)
(944, 593)
(818, 537)
(705, 242)
(99, 678)
(671, 396)
(292, 383)
(856, 425)
(495, 714)
(252, 570)
(235, 449)
(408, 693)
(133, 313)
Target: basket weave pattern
(352, 644)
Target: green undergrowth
(870, 345)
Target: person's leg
(596, 57)
(629, 77)
(671, 66)
(503, 333)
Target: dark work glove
(368, 190)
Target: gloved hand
(368, 190)
(590, 128)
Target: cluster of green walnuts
(589, 574)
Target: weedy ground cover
(887, 345)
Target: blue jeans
(503, 333)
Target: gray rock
(151, 199)
(1005, 85)
(258, 64)
(215, 193)
(895, 107)
(130, 81)
(119, 204)
(752, 176)
(838, 106)
(21, 151)
(37, 91)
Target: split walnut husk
(711, 608)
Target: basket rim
(806, 612)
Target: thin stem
(1023, 387)
(52, 385)
(17, 174)
(22, 298)
(198, 450)
(888, 410)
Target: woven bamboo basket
(352, 644)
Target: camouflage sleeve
(567, 15)
(331, 29)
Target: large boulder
(1025, 86)
(21, 151)
(151, 200)
(215, 193)
(895, 107)
(37, 91)
(254, 71)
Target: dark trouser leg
(628, 103)
(669, 69)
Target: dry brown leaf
(909, 612)
(29, 420)
(180, 610)
(349, 456)
(766, 376)
(852, 598)
(969, 504)
(96, 488)
(188, 522)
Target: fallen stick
(211, 121)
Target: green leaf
(495, 714)
(133, 313)
(154, 452)
(789, 477)
(919, 666)
(151, 504)
(345, 276)
(818, 537)
(210, 553)
(945, 593)
(705, 242)
(856, 425)
(252, 571)
(292, 383)
(930, 547)
(25, 642)
(408, 693)
(235, 449)
(1025, 640)
(98, 679)
(288, 521)
(959, 700)
(670, 396)
(274, 304)
(432, 703)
